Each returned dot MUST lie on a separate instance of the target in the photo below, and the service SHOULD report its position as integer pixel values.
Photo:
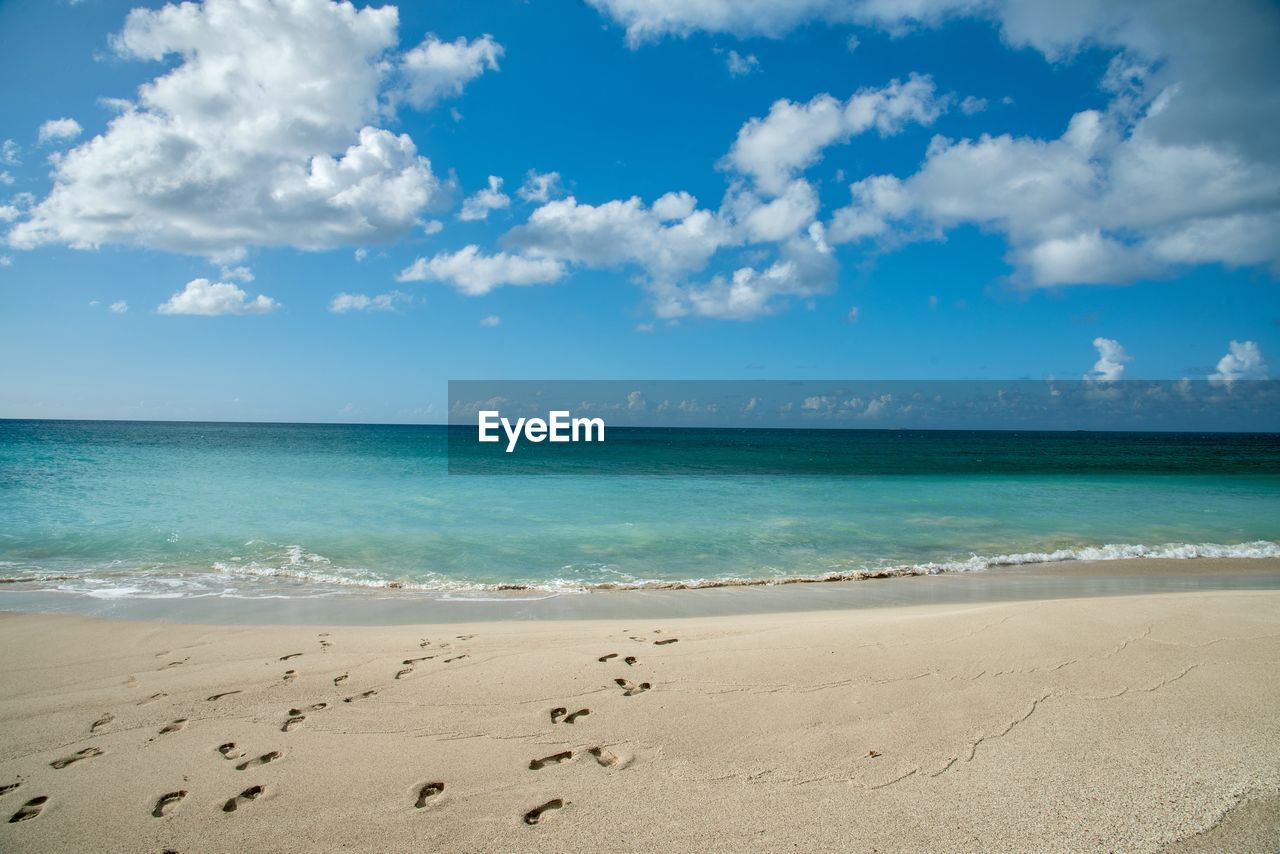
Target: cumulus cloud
(491, 198)
(1178, 170)
(539, 187)
(805, 267)
(1111, 361)
(9, 151)
(792, 136)
(474, 273)
(673, 240)
(437, 69)
(345, 302)
(671, 237)
(119, 307)
(211, 299)
(740, 65)
(1243, 361)
(261, 131)
(59, 130)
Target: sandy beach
(1127, 723)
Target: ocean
(168, 510)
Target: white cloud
(673, 239)
(6, 261)
(792, 136)
(491, 198)
(243, 274)
(1179, 169)
(971, 106)
(119, 307)
(765, 222)
(474, 273)
(805, 267)
(433, 226)
(437, 69)
(540, 187)
(669, 238)
(1243, 361)
(361, 254)
(740, 65)
(491, 320)
(1111, 361)
(9, 151)
(344, 302)
(852, 43)
(261, 131)
(203, 297)
(852, 316)
(59, 130)
(8, 213)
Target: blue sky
(1000, 190)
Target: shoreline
(1023, 582)
(1137, 722)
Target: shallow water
(117, 509)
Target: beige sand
(1124, 724)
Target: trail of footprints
(424, 794)
(603, 756)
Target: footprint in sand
(292, 722)
(534, 815)
(167, 801)
(216, 697)
(413, 661)
(605, 757)
(553, 759)
(176, 663)
(607, 657)
(465, 637)
(312, 708)
(290, 675)
(630, 689)
(430, 790)
(424, 643)
(250, 794)
(631, 660)
(101, 722)
(666, 641)
(561, 713)
(338, 680)
(456, 658)
(173, 726)
(87, 753)
(324, 644)
(289, 656)
(363, 696)
(230, 750)
(400, 674)
(152, 698)
(8, 787)
(30, 809)
(637, 640)
(261, 760)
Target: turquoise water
(160, 509)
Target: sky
(300, 210)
